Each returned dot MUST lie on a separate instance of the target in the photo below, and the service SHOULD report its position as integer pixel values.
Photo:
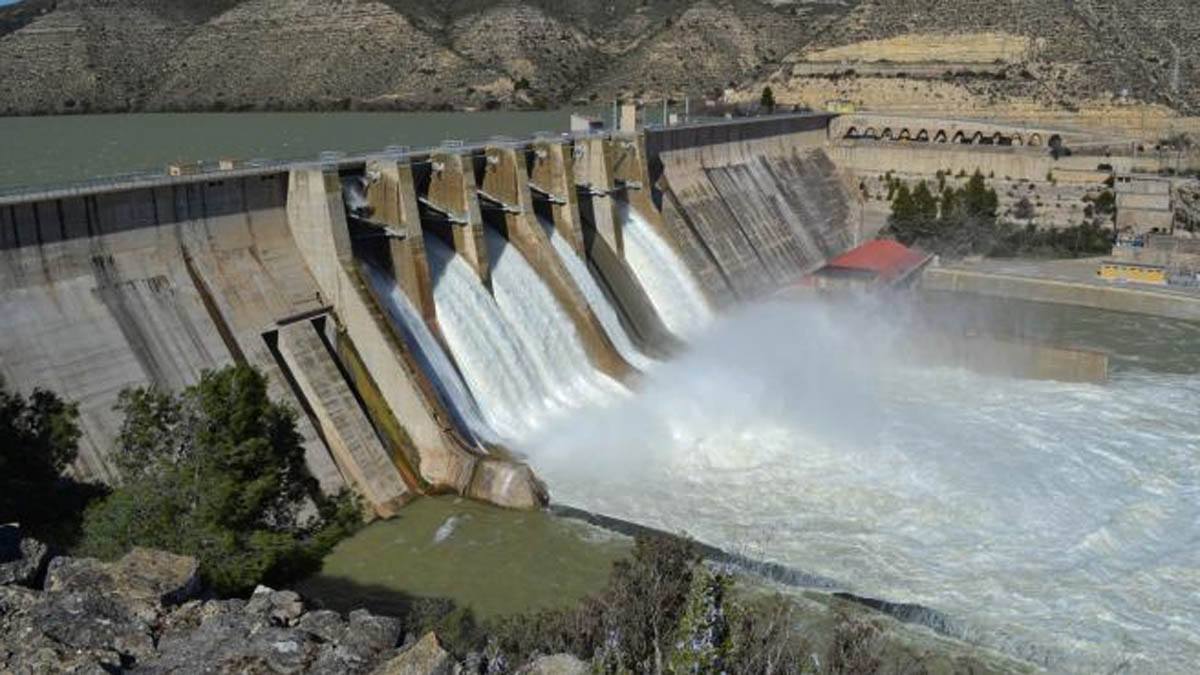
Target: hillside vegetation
(61, 56)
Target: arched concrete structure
(982, 132)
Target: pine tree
(217, 472)
(768, 99)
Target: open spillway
(597, 300)
(666, 280)
(1054, 521)
(517, 351)
(432, 357)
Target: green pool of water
(493, 560)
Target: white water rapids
(1059, 522)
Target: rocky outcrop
(22, 559)
(147, 613)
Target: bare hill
(59, 56)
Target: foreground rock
(22, 559)
(145, 613)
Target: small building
(586, 123)
(880, 262)
(1143, 204)
(1126, 271)
(183, 169)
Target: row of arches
(960, 137)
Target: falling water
(517, 351)
(601, 306)
(670, 285)
(546, 332)
(433, 359)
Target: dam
(592, 318)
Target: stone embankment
(148, 613)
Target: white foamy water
(1058, 522)
(517, 351)
(547, 335)
(433, 359)
(667, 281)
(601, 306)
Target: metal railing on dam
(659, 138)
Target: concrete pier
(453, 194)
(595, 185)
(392, 195)
(552, 180)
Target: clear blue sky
(8, 2)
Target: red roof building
(877, 262)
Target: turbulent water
(517, 351)
(601, 306)
(672, 289)
(1058, 522)
(451, 388)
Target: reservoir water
(44, 150)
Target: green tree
(703, 643)
(767, 100)
(39, 437)
(217, 472)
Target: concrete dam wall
(334, 281)
(753, 209)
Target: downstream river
(47, 150)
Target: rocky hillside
(60, 56)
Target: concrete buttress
(452, 190)
(393, 199)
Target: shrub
(217, 472)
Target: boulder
(278, 608)
(326, 625)
(558, 664)
(368, 635)
(425, 657)
(22, 559)
(230, 639)
(69, 632)
(143, 577)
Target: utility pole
(665, 104)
